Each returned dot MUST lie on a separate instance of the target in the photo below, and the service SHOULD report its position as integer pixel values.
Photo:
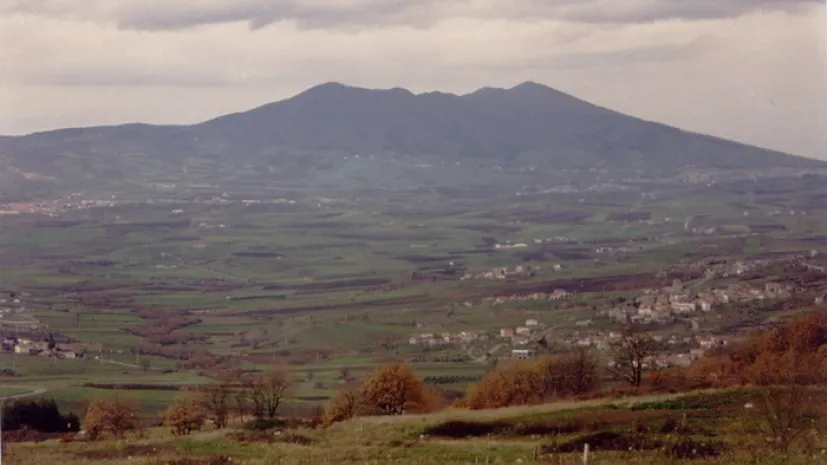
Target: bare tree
(345, 375)
(580, 369)
(215, 400)
(631, 356)
(241, 401)
(267, 392)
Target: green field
(320, 287)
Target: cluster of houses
(42, 348)
(503, 272)
(679, 351)
(521, 335)
(443, 339)
(716, 268)
(510, 245)
(517, 336)
(617, 250)
(557, 294)
(663, 305)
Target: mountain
(527, 125)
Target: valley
(457, 235)
(165, 290)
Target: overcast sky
(750, 70)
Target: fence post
(585, 454)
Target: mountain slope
(529, 124)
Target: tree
(788, 403)
(115, 417)
(42, 415)
(516, 383)
(785, 364)
(580, 370)
(712, 371)
(343, 406)
(145, 364)
(184, 417)
(214, 400)
(241, 401)
(345, 375)
(571, 374)
(631, 356)
(392, 389)
(267, 392)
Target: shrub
(687, 448)
(261, 424)
(667, 381)
(511, 384)
(343, 406)
(43, 416)
(572, 374)
(115, 417)
(184, 417)
(392, 389)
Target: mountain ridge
(529, 124)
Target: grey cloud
(689, 9)
(355, 14)
(657, 53)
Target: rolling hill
(528, 125)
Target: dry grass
(509, 412)
(401, 440)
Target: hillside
(299, 139)
(703, 427)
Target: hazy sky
(750, 70)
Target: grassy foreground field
(712, 427)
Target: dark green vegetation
(43, 416)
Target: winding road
(32, 392)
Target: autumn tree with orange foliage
(786, 363)
(393, 389)
(184, 417)
(115, 417)
(667, 380)
(343, 406)
(433, 400)
(713, 371)
(512, 383)
(755, 360)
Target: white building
(522, 354)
